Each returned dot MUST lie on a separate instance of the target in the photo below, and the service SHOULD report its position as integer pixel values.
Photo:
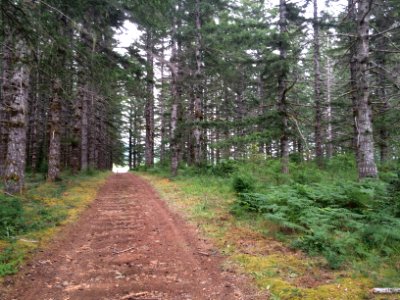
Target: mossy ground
(46, 207)
(250, 247)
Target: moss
(277, 273)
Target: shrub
(11, 216)
(224, 168)
(339, 221)
(243, 184)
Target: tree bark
(149, 109)
(366, 160)
(353, 80)
(329, 132)
(282, 88)
(5, 100)
(198, 89)
(16, 151)
(55, 136)
(317, 89)
(84, 129)
(76, 135)
(162, 101)
(176, 95)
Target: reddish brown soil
(127, 245)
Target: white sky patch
(120, 169)
(128, 34)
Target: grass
(31, 220)
(261, 247)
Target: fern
(339, 221)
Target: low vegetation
(313, 234)
(31, 219)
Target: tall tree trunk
(317, 89)
(198, 88)
(175, 135)
(162, 101)
(381, 90)
(149, 109)
(84, 128)
(282, 89)
(366, 161)
(226, 133)
(353, 80)
(76, 135)
(54, 156)
(16, 151)
(5, 100)
(383, 128)
(34, 121)
(130, 137)
(329, 132)
(55, 137)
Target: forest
(288, 108)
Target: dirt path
(127, 245)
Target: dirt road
(126, 245)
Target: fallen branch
(203, 253)
(28, 241)
(122, 251)
(8, 194)
(386, 290)
(213, 253)
(139, 296)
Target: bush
(224, 168)
(339, 221)
(11, 216)
(243, 184)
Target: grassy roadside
(250, 243)
(29, 221)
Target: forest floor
(128, 245)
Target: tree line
(59, 105)
(240, 78)
(207, 81)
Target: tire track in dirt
(126, 245)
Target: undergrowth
(351, 228)
(31, 219)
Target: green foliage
(224, 168)
(11, 216)
(340, 221)
(9, 261)
(18, 216)
(243, 184)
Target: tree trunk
(162, 101)
(130, 137)
(76, 135)
(366, 160)
(55, 137)
(176, 95)
(282, 89)
(16, 150)
(84, 129)
(329, 132)
(353, 83)
(383, 128)
(317, 89)
(5, 100)
(149, 109)
(198, 89)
